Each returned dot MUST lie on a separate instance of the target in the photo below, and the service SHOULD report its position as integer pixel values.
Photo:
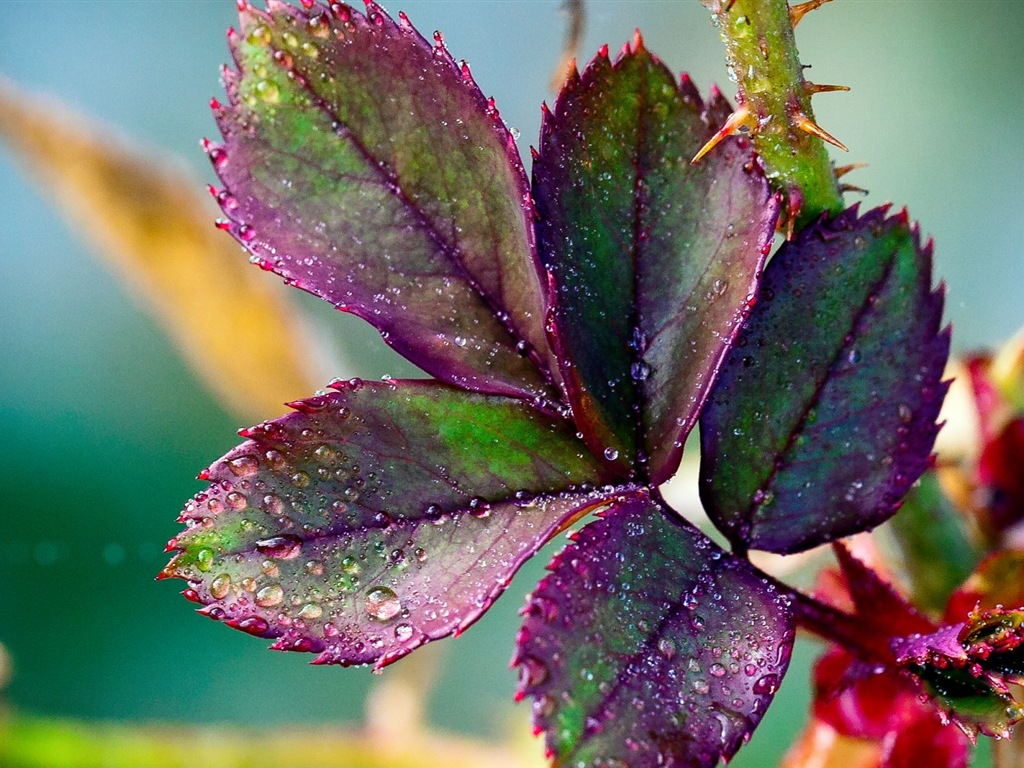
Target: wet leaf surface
(654, 260)
(364, 165)
(379, 517)
(824, 414)
(648, 645)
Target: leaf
(28, 741)
(138, 209)
(364, 166)
(934, 545)
(378, 517)
(654, 260)
(824, 413)
(998, 581)
(647, 645)
(1001, 477)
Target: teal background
(103, 427)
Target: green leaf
(649, 646)
(379, 517)
(654, 261)
(365, 166)
(824, 413)
(934, 545)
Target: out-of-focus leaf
(141, 211)
(379, 517)
(34, 742)
(363, 165)
(654, 261)
(998, 581)
(648, 645)
(824, 413)
(1007, 372)
(821, 746)
(934, 545)
(1001, 477)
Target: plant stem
(774, 103)
(835, 625)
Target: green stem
(761, 55)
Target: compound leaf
(824, 413)
(378, 517)
(654, 261)
(647, 645)
(365, 166)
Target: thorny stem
(773, 103)
(834, 625)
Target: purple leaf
(824, 413)
(365, 166)
(379, 517)
(654, 260)
(648, 645)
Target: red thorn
(222, 224)
(215, 103)
(603, 51)
(805, 124)
(171, 546)
(242, 5)
(192, 596)
(232, 35)
(164, 575)
(518, 696)
(638, 41)
(204, 475)
(307, 4)
(212, 190)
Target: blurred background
(104, 426)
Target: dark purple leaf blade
(648, 645)
(379, 517)
(364, 166)
(824, 413)
(654, 260)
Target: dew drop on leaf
(382, 603)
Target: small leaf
(654, 260)
(364, 166)
(934, 545)
(824, 413)
(140, 212)
(379, 517)
(647, 645)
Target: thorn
(738, 119)
(852, 188)
(797, 12)
(842, 170)
(813, 88)
(603, 51)
(805, 124)
(638, 40)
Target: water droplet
(766, 685)
(854, 357)
(611, 453)
(244, 466)
(906, 413)
(254, 625)
(204, 559)
(269, 596)
(666, 648)
(717, 670)
(532, 672)
(403, 632)
(220, 587)
(280, 547)
(310, 611)
(382, 603)
(268, 91)
(236, 501)
(700, 685)
(640, 371)
(460, 341)
(260, 35)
